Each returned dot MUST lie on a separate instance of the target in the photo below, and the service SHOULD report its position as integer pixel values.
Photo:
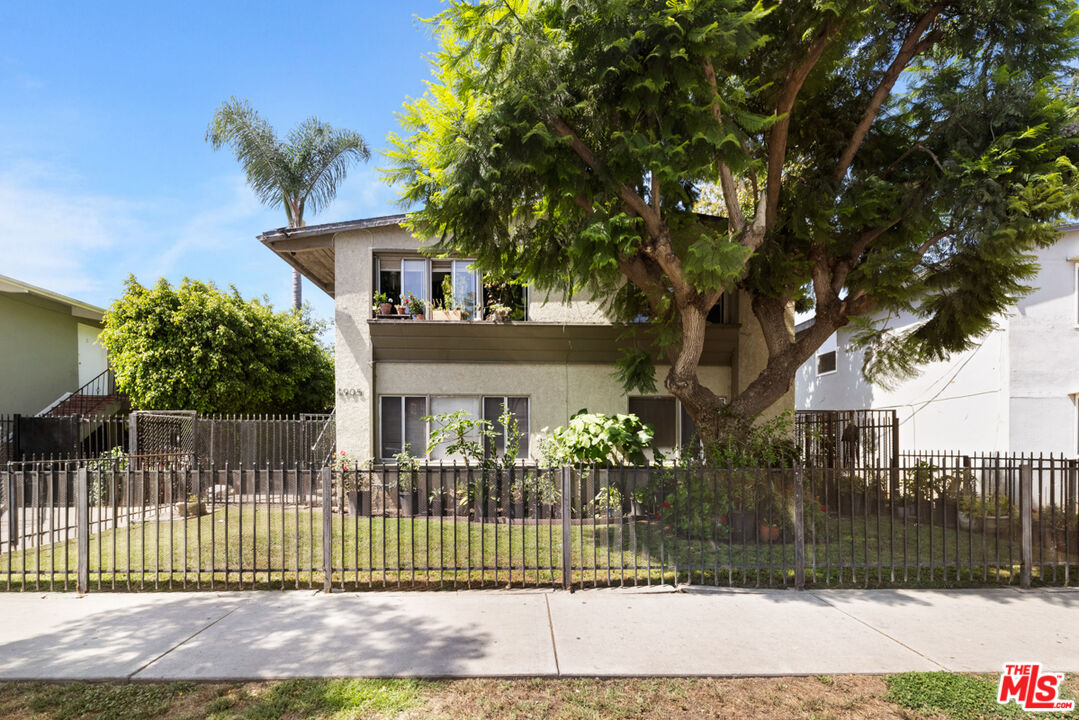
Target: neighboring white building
(554, 358)
(1017, 390)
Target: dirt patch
(838, 697)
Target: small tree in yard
(870, 157)
(194, 347)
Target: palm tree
(301, 173)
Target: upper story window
(450, 289)
(827, 356)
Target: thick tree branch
(777, 136)
(726, 178)
(626, 193)
(912, 45)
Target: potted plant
(742, 514)
(406, 481)
(498, 313)
(382, 304)
(356, 486)
(987, 512)
(416, 306)
(607, 503)
(450, 309)
(770, 532)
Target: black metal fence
(936, 520)
(848, 438)
(172, 438)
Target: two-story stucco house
(1016, 390)
(551, 357)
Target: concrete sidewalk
(250, 635)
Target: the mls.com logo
(1031, 688)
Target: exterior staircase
(96, 398)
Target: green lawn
(274, 548)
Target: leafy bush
(770, 443)
(194, 347)
(601, 438)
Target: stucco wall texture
(555, 390)
(38, 354)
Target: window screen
(660, 413)
(400, 423)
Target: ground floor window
(401, 423)
(402, 420)
(673, 426)
(492, 411)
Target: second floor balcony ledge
(401, 340)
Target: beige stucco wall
(38, 353)
(556, 390)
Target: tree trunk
(297, 290)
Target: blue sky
(104, 170)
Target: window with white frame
(827, 356)
(401, 423)
(673, 427)
(448, 284)
(493, 408)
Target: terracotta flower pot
(769, 533)
(385, 309)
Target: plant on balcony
(381, 304)
(498, 313)
(416, 306)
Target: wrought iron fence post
(1026, 503)
(567, 555)
(799, 532)
(327, 530)
(82, 530)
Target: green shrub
(194, 347)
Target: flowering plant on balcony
(415, 305)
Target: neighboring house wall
(1013, 391)
(555, 390)
(40, 352)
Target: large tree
(301, 173)
(871, 157)
(194, 347)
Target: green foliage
(600, 438)
(769, 443)
(100, 483)
(635, 371)
(101, 701)
(963, 697)
(406, 469)
(303, 172)
(461, 434)
(573, 140)
(193, 347)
